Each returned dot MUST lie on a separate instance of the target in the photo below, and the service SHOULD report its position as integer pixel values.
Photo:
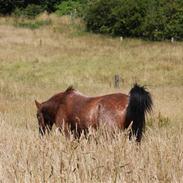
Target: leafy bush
(149, 19)
(99, 16)
(174, 26)
(50, 5)
(7, 6)
(164, 20)
(30, 11)
(153, 25)
(116, 17)
(69, 7)
(27, 7)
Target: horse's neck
(54, 101)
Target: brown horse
(75, 112)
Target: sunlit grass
(35, 64)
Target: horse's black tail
(140, 102)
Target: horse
(71, 111)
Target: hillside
(36, 63)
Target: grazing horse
(71, 110)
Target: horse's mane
(69, 89)
(61, 95)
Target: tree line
(147, 19)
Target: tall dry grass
(35, 64)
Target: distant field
(39, 61)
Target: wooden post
(116, 81)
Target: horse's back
(109, 109)
(86, 111)
(118, 99)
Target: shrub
(69, 7)
(163, 20)
(27, 7)
(7, 6)
(149, 19)
(50, 5)
(30, 11)
(129, 17)
(174, 26)
(116, 17)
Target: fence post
(116, 81)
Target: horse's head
(47, 111)
(43, 118)
(40, 118)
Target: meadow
(41, 57)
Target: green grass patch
(33, 24)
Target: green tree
(148, 19)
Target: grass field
(37, 62)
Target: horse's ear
(38, 105)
